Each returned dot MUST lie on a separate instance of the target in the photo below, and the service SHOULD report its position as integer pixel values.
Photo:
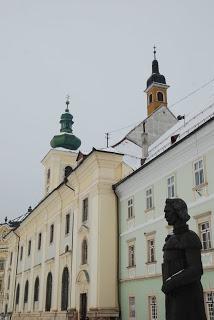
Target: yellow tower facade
(156, 89)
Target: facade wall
(95, 277)
(4, 229)
(143, 279)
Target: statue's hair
(180, 208)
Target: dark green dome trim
(67, 141)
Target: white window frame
(199, 172)
(130, 208)
(201, 219)
(131, 254)
(149, 198)
(153, 310)
(205, 234)
(132, 308)
(209, 304)
(151, 250)
(171, 186)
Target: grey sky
(100, 52)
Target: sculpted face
(170, 215)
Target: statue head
(176, 211)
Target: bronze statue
(182, 268)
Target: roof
(182, 129)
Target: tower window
(39, 241)
(67, 223)
(85, 210)
(160, 96)
(51, 233)
(150, 98)
(48, 176)
(29, 247)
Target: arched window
(84, 251)
(26, 292)
(48, 292)
(64, 292)
(160, 96)
(66, 248)
(36, 289)
(150, 98)
(17, 293)
(68, 170)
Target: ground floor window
(132, 311)
(153, 312)
(209, 303)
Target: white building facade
(63, 256)
(174, 168)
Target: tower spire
(67, 102)
(154, 51)
(156, 87)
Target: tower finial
(154, 51)
(67, 103)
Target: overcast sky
(99, 52)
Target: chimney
(145, 147)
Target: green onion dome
(67, 139)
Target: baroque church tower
(156, 88)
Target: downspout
(118, 251)
(14, 298)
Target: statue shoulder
(190, 240)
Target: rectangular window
(209, 303)
(21, 252)
(199, 172)
(204, 229)
(85, 210)
(29, 248)
(39, 240)
(151, 250)
(51, 233)
(67, 223)
(149, 199)
(131, 255)
(132, 311)
(171, 187)
(1, 265)
(11, 258)
(153, 312)
(130, 208)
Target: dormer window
(160, 96)
(150, 98)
